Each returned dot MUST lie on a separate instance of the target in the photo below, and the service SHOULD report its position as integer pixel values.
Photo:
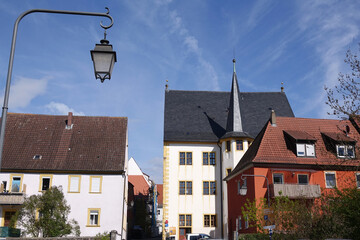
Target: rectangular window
(93, 217)
(358, 180)
(185, 220)
(303, 179)
(330, 180)
(345, 151)
(209, 220)
(228, 171)
(228, 146)
(278, 178)
(185, 188)
(239, 223)
(209, 158)
(246, 222)
(209, 188)
(95, 184)
(15, 183)
(74, 184)
(45, 182)
(305, 150)
(185, 158)
(239, 145)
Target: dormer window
(300, 142)
(345, 151)
(37, 156)
(305, 149)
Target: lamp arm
(243, 177)
(12, 53)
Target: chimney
(282, 87)
(273, 118)
(69, 123)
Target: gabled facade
(205, 135)
(87, 156)
(301, 158)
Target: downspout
(123, 208)
(221, 190)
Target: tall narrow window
(205, 158)
(228, 146)
(95, 184)
(74, 184)
(94, 217)
(206, 188)
(185, 158)
(45, 182)
(246, 222)
(239, 223)
(358, 180)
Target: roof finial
(234, 61)
(166, 85)
(282, 87)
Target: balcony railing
(295, 190)
(12, 198)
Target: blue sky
(190, 43)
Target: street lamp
(103, 57)
(243, 189)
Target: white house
(87, 156)
(205, 135)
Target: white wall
(196, 204)
(110, 200)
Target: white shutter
(74, 184)
(300, 149)
(310, 150)
(95, 184)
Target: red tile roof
(141, 187)
(92, 144)
(270, 146)
(160, 192)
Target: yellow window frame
(21, 181)
(69, 179)
(45, 176)
(88, 217)
(91, 180)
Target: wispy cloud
(154, 168)
(330, 27)
(260, 9)
(61, 109)
(24, 90)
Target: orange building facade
(295, 157)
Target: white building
(205, 135)
(87, 156)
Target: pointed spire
(234, 116)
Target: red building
(298, 157)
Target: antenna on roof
(282, 87)
(234, 61)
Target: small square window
(303, 179)
(278, 178)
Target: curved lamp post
(243, 189)
(103, 57)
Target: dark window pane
(303, 179)
(212, 188)
(182, 158)
(239, 145)
(182, 188)
(188, 220)
(188, 188)
(45, 183)
(206, 188)
(181, 220)
(188, 158)
(212, 158)
(278, 178)
(228, 146)
(205, 158)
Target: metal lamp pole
(11, 59)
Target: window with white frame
(303, 179)
(95, 184)
(345, 151)
(246, 222)
(278, 178)
(15, 183)
(94, 217)
(305, 149)
(239, 223)
(242, 185)
(74, 184)
(330, 180)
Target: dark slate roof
(201, 116)
(93, 144)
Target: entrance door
(183, 232)
(7, 217)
